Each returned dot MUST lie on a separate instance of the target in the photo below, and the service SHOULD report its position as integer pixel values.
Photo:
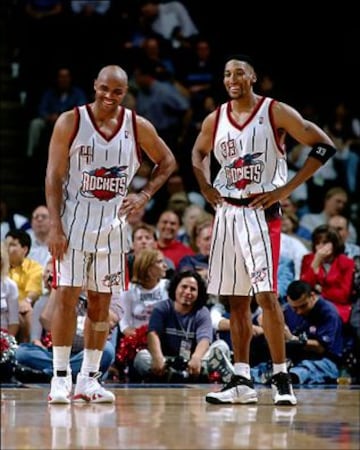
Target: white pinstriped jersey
(251, 158)
(100, 171)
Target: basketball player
(94, 153)
(247, 136)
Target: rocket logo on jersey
(245, 170)
(104, 183)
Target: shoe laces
(282, 382)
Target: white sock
(242, 369)
(277, 368)
(91, 361)
(61, 358)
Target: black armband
(322, 152)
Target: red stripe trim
(137, 146)
(279, 144)
(120, 120)
(249, 119)
(274, 227)
(127, 276)
(76, 125)
(217, 118)
(54, 283)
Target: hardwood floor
(177, 417)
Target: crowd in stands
(325, 274)
(173, 82)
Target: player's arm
(308, 133)
(56, 172)
(201, 159)
(158, 152)
(201, 152)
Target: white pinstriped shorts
(99, 272)
(245, 250)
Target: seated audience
(314, 335)
(220, 319)
(290, 226)
(11, 220)
(180, 331)
(329, 271)
(341, 225)
(37, 355)
(200, 241)
(170, 20)
(27, 274)
(9, 296)
(191, 213)
(335, 202)
(148, 286)
(167, 229)
(40, 227)
(144, 237)
(292, 248)
(354, 325)
(286, 274)
(56, 99)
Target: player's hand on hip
(132, 203)
(265, 200)
(212, 196)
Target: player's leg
(105, 274)
(69, 280)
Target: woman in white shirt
(148, 286)
(9, 296)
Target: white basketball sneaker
(238, 390)
(282, 390)
(89, 390)
(60, 389)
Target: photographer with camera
(180, 335)
(34, 359)
(314, 335)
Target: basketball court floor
(177, 417)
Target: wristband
(147, 195)
(322, 152)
